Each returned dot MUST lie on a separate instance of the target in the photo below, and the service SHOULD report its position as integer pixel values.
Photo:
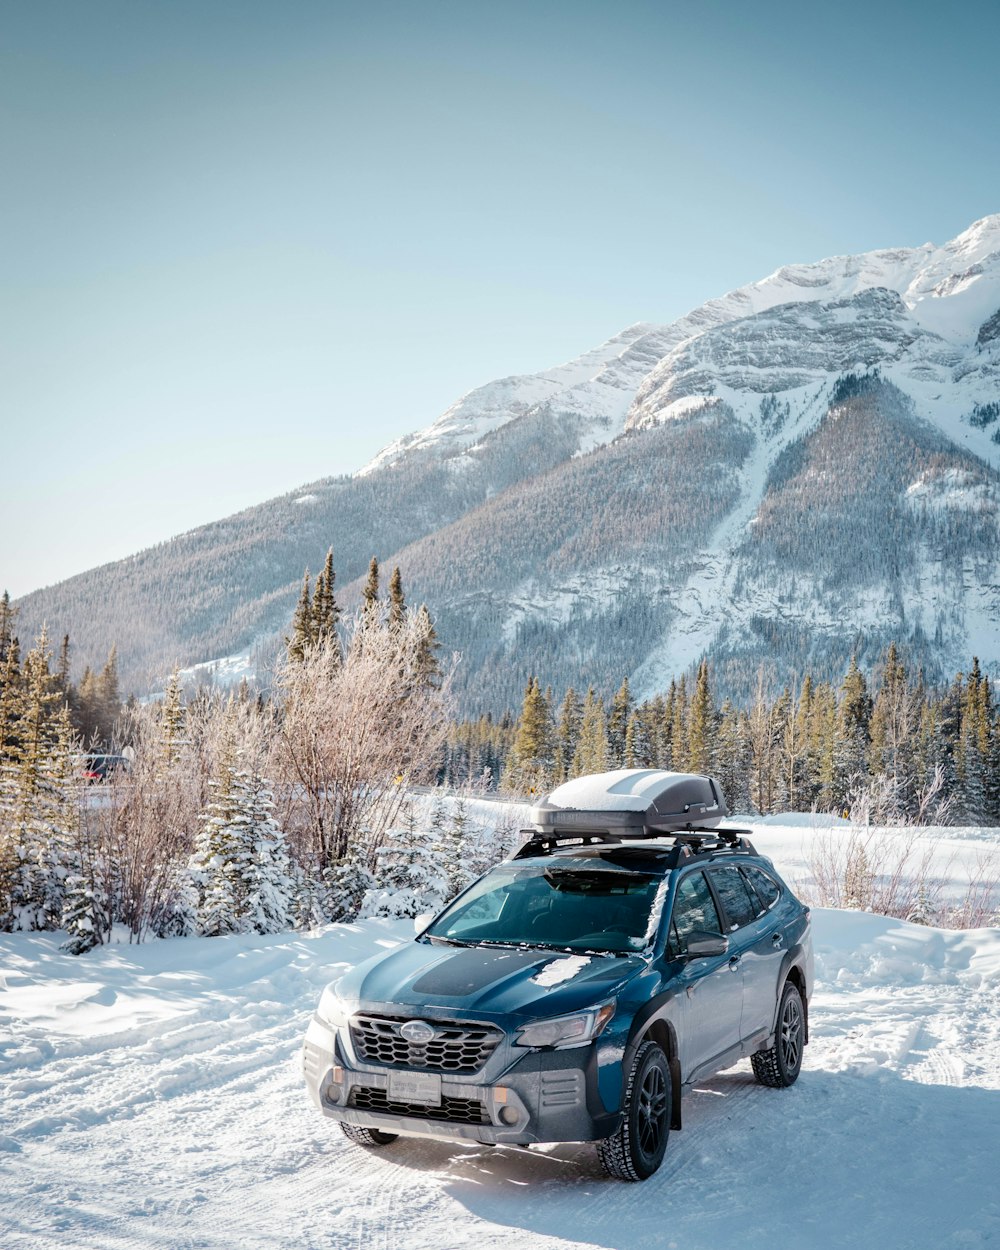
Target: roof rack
(685, 841)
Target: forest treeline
(237, 812)
(884, 741)
(255, 811)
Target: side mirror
(704, 945)
(422, 921)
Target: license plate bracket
(415, 1087)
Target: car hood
(486, 980)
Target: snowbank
(152, 1098)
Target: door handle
(734, 963)
(776, 941)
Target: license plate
(416, 1087)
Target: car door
(755, 942)
(710, 989)
(766, 946)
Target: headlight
(332, 1008)
(564, 1032)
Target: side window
(734, 892)
(694, 909)
(767, 888)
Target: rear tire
(370, 1137)
(637, 1149)
(779, 1067)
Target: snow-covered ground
(151, 1097)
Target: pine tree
(533, 758)
(108, 698)
(732, 758)
(303, 629)
(240, 866)
(853, 733)
(618, 718)
(592, 748)
(972, 754)
(567, 733)
(679, 726)
(454, 850)
(397, 602)
(325, 612)
(701, 725)
(370, 592)
(39, 811)
(428, 667)
(172, 734)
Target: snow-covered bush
(240, 868)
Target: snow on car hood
(486, 979)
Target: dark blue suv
(630, 948)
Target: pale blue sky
(247, 244)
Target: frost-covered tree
(39, 806)
(240, 866)
(410, 876)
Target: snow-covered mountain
(803, 468)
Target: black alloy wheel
(637, 1149)
(780, 1066)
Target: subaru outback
(630, 948)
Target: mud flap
(675, 1089)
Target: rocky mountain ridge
(648, 502)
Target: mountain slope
(608, 516)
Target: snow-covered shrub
(240, 867)
(410, 876)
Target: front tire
(637, 1149)
(779, 1067)
(370, 1137)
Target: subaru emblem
(416, 1031)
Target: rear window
(738, 903)
(767, 888)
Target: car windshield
(567, 906)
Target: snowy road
(151, 1098)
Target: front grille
(454, 1110)
(460, 1048)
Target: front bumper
(546, 1096)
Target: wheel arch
(657, 1028)
(793, 972)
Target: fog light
(508, 1115)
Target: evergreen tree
(533, 758)
(428, 667)
(893, 721)
(7, 618)
(679, 726)
(108, 699)
(172, 733)
(701, 725)
(303, 629)
(618, 718)
(412, 877)
(853, 734)
(39, 811)
(240, 866)
(397, 602)
(370, 592)
(591, 754)
(325, 612)
(568, 733)
(732, 758)
(454, 849)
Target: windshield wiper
(438, 940)
(547, 946)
